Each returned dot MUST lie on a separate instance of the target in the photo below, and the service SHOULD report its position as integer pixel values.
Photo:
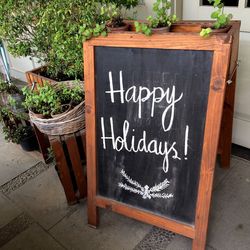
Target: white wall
(241, 127)
(19, 65)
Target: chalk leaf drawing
(146, 192)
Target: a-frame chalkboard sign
(153, 114)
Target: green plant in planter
(16, 133)
(44, 100)
(10, 123)
(160, 20)
(108, 12)
(221, 19)
(49, 100)
(73, 96)
(113, 15)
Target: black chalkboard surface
(150, 117)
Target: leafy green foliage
(143, 27)
(10, 124)
(162, 18)
(123, 3)
(73, 96)
(205, 32)
(19, 27)
(62, 21)
(159, 20)
(53, 31)
(221, 19)
(17, 133)
(8, 88)
(112, 14)
(47, 100)
(44, 100)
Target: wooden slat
(43, 143)
(63, 169)
(225, 143)
(76, 164)
(135, 213)
(210, 144)
(90, 111)
(170, 40)
(83, 137)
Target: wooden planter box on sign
(145, 95)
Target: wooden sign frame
(221, 46)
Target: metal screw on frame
(229, 81)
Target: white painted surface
(19, 65)
(193, 11)
(146, 6)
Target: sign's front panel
(150, 116)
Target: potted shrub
(222, 20)
(56, 109)
(16, 128)
(160, 22)
(111, 15)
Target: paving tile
(229, 223)
(115, 231)
(8, 211)
(221, 173)
(43, 199)
(230, 218)
(34, 238)
(14, 227)
(13, 160)
(180, 243)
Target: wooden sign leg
(201, 221)
(93, 211)
(227, 125)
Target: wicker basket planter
(65, 123)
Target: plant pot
(216, 31)
(29, 143)
(160, 30)
(125, 27)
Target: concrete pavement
(34, 213)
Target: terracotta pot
(160, 30)
(215, 31)
(125, 27)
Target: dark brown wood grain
(225, 143)
(93, 213)
(211, 139)
(63, 169)
(76, 162)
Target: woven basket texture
(61, 124)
